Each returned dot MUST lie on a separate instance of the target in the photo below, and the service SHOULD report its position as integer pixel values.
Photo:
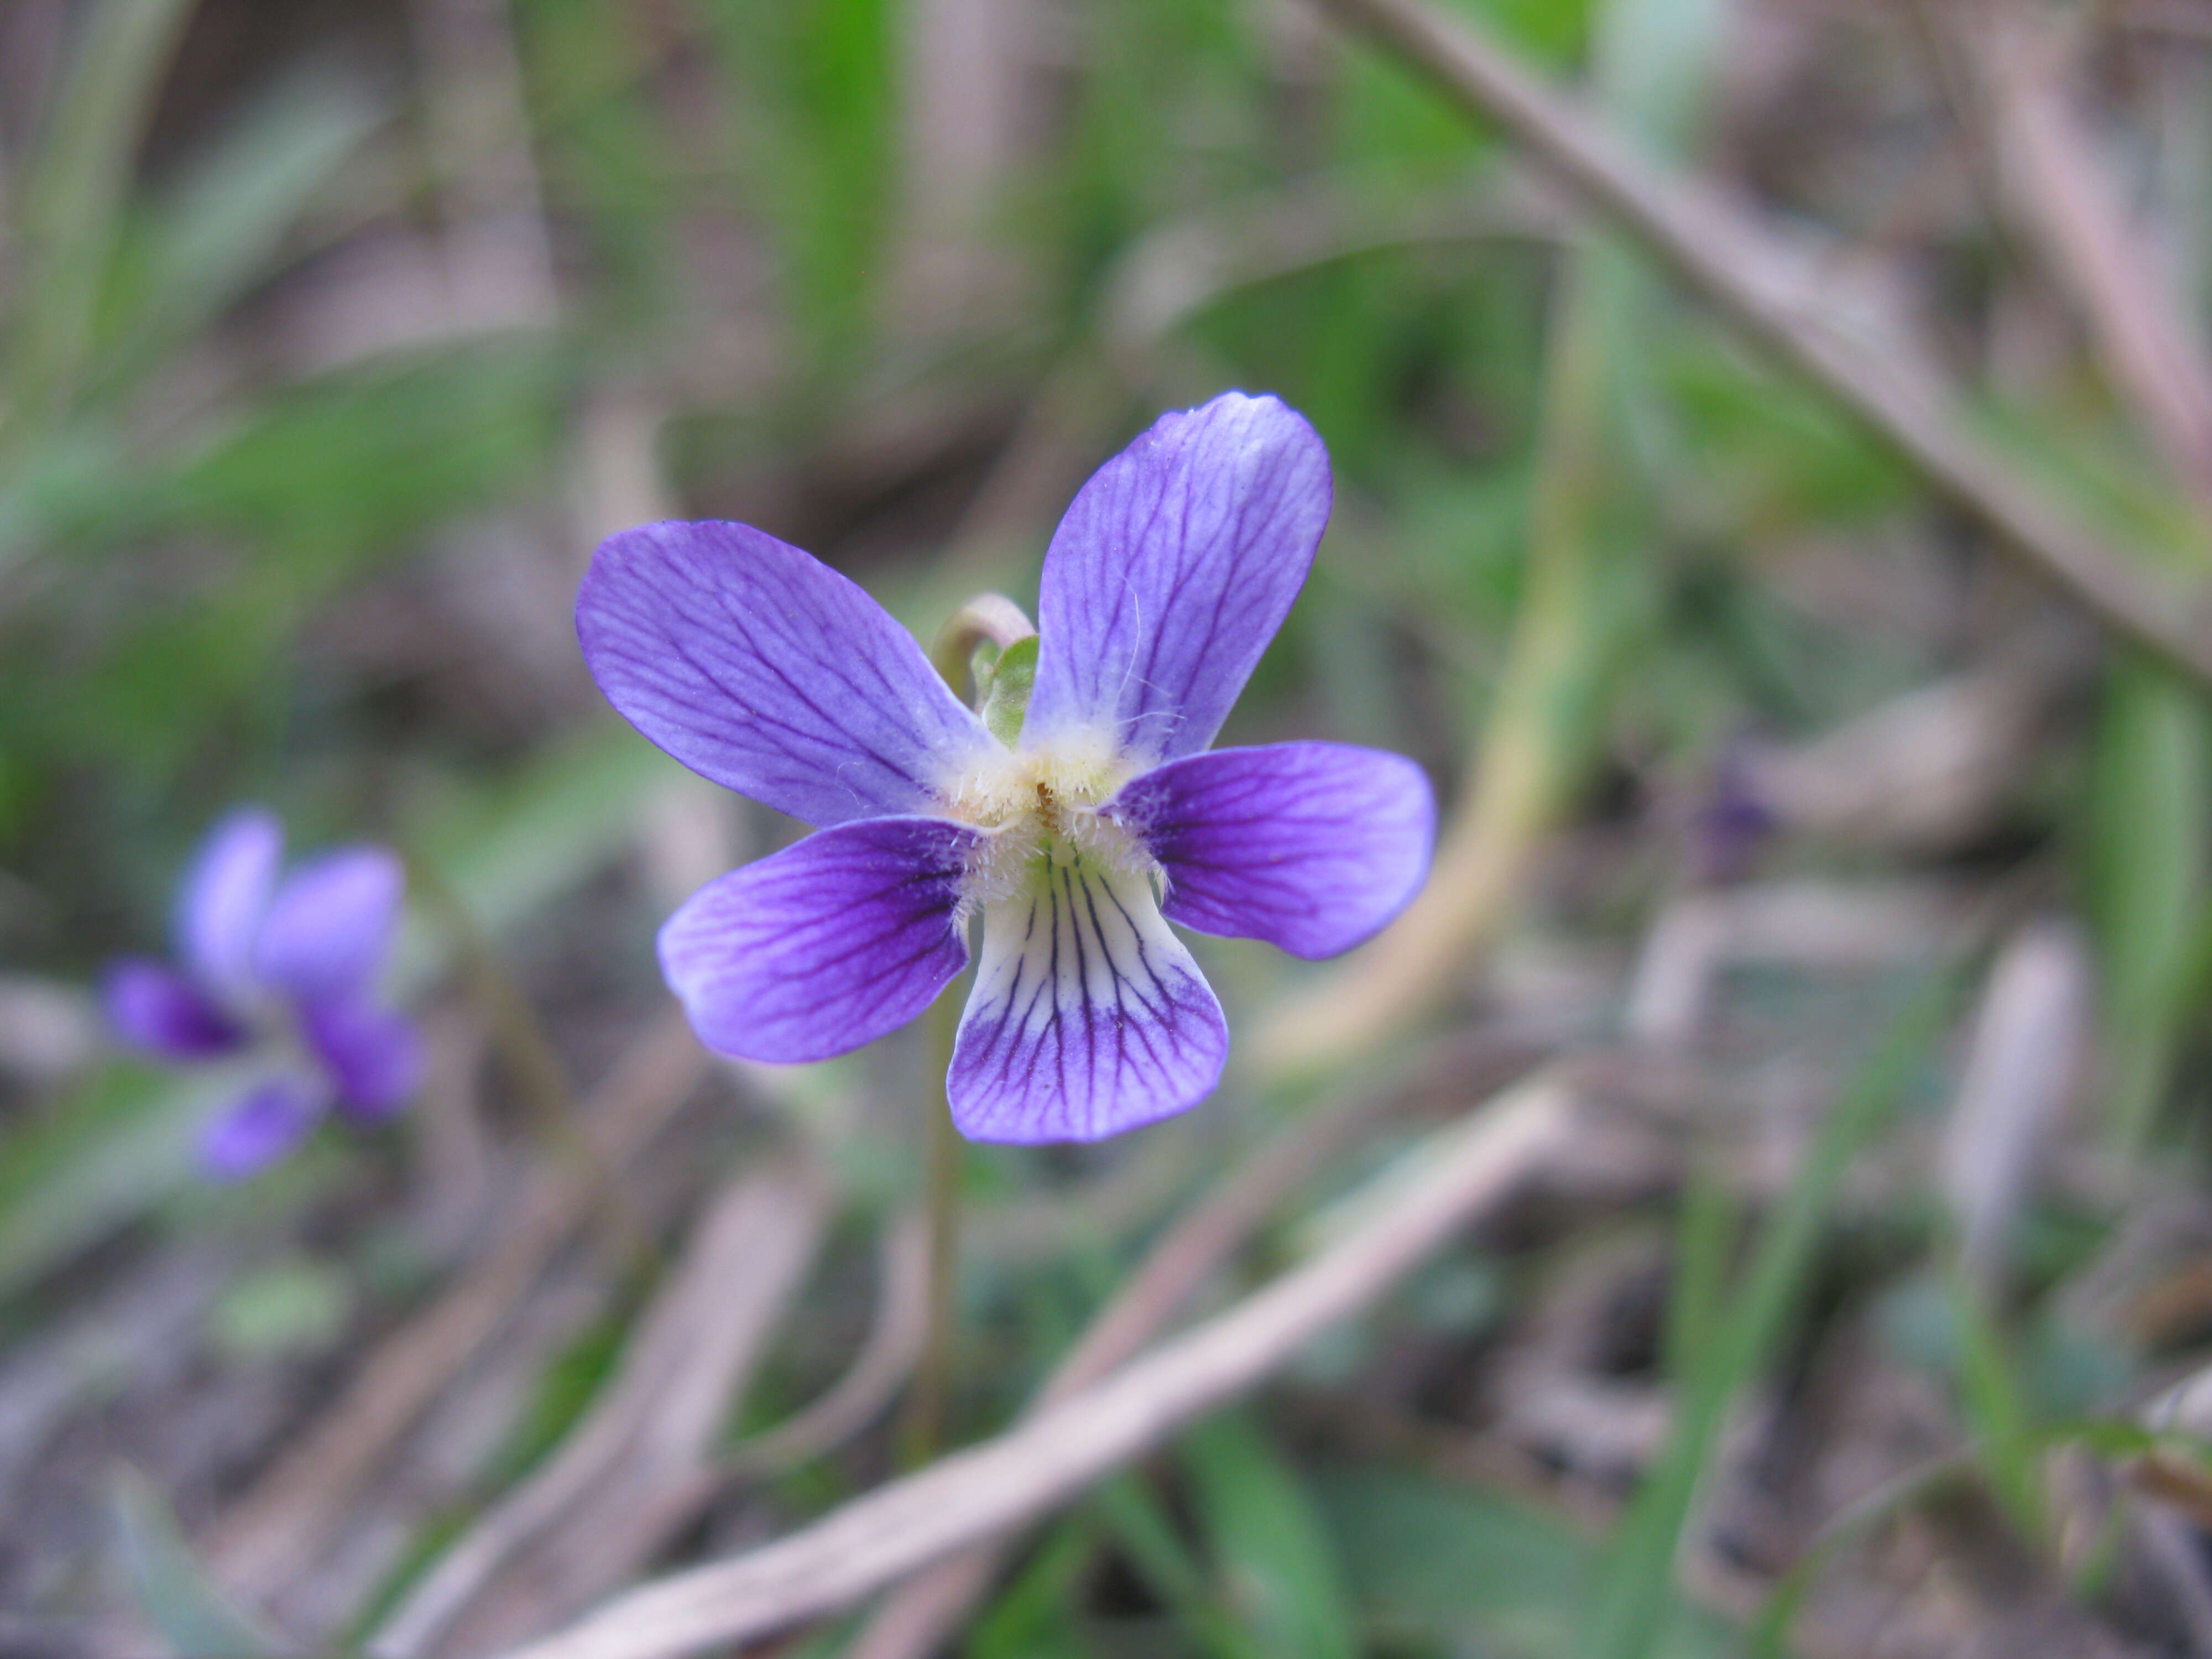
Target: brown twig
(2065, 199)
(1762, 286)
(1464, 1172)
(631, 1472)
(527, 1051)
(283, 1525)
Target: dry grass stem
(1463, 1172)
(631, 1471)
(284, 1523)
(1766, 288)
(879, 1371)
(2065, 197)
(917, 1621)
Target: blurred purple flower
(1734, 820)
(771, 674)
(282, 973)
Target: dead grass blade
(280, 1528)
(2063, 196)
(630, 1473)
(913, 1623)
(1462, 1172)
(877, 1373)
(1767, 290)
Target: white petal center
(1040, 805)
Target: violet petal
(159, 1012)
(267, 1121)
(1088, 1016)
(224, 895)
(1313, 846)
(825, 945)
(373, 1055)
(1172, 570)
(330, 926)
(760, 667)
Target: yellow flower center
(1040, 805)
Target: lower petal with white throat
(1088, 1017)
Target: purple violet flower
(280, 973)
(1100, 813)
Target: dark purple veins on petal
(1088, 1017)
(1312, 847)
(1171, 572)
(826, 945)
(760, 667)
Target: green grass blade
(215, 232)
(177, 1595)
(1997, 1407)
(1149, 1542)
(1641, 1562)
(1279, 1568)
(78, 185)
(2150, 805)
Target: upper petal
(825, 945)
(1088, 1016)
(331, 924)
(224, 895)
(1173, 568)
(760, 667)
(162, 1013)
(1310, 846)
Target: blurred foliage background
(1860, 877)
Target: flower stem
(534, 1065)
(994, 619)
(922, 1434)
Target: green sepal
(980, 662)
(1004, 679)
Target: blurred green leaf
(1276, 1562)
(358, 459)
(1474, 1571)
(509, 849)
(218, 231)
(177, 1594)
(74, 190)
(138, 660)
(1996, 1407)
(1030, 1619)
(1710, 1218)
(299, 1306)
(2149, 823)
(821, 83)
(101, 1157)
(1149, 1542)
